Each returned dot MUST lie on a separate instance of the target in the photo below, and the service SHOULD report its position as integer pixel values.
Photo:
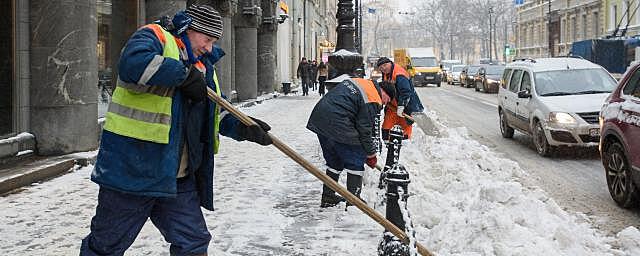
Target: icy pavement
(466, 201)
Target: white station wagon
(555, 100)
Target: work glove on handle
(409, 121)
(372, 160)
(194, 87)
(400, 111)
(255, 133)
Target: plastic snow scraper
(320, 175)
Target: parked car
(555, 100)
(453, 76)
(467, 75)
(446, 68)
(620, 139)
(488, 78)
(375, 74)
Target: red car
(620, 139)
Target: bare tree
(461, 25)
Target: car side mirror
(440, 66)
(524, 94)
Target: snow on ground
(466, 201)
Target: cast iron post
(396, 178)
(346, 59)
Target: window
(574, 81)
(632, 88)
(505, 77)
(596, 24)
(613, 16)
(574, 29)
(515, 80)
(7, 117)
(105, 87)
(584, 26)
(526, 82)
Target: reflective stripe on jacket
(405, 92)
(346, 113)
(143, 111)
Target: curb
(40, 170)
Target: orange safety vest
(369, 90)
(390, 116)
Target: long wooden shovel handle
(320, 175)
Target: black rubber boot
(354, 185)
(329, 197)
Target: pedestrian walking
(160, 135)
(323, 73)
(304, 73)
(343, 120)
(314, 74)
(406, 101)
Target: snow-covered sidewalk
(467, 201)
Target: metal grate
(590, 117)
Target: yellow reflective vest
(144, 111)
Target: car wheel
(618, 173)
(484, 88)
(540, 141)
(477, 88)
(505, 129)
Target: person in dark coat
(314, 75)
(343, 120)
(304, 73)
(156, 155)
(323, 73)
(406, 101)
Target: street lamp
(345, 62)
(451, 45)
(490, 35)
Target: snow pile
(468, 201)
(343, 52)
(23, 136)
(465, 200)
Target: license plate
(429, 77)
(595, 132)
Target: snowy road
(575, 179)
(466, 200)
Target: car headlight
(418, 74)
(561, 118)
(491, 81)
(601, 122)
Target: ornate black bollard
(396, 178)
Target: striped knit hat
(206, 20)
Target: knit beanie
(382, 60)
(205, 20)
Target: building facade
(57, 73)
(309, 31)
(548, 28)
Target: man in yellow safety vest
(160, 135)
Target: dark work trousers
(321, 80)
(305, 86)
(120, 217)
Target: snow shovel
(320, 175)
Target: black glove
(409, 121)
(194, 87)
(255, 133)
